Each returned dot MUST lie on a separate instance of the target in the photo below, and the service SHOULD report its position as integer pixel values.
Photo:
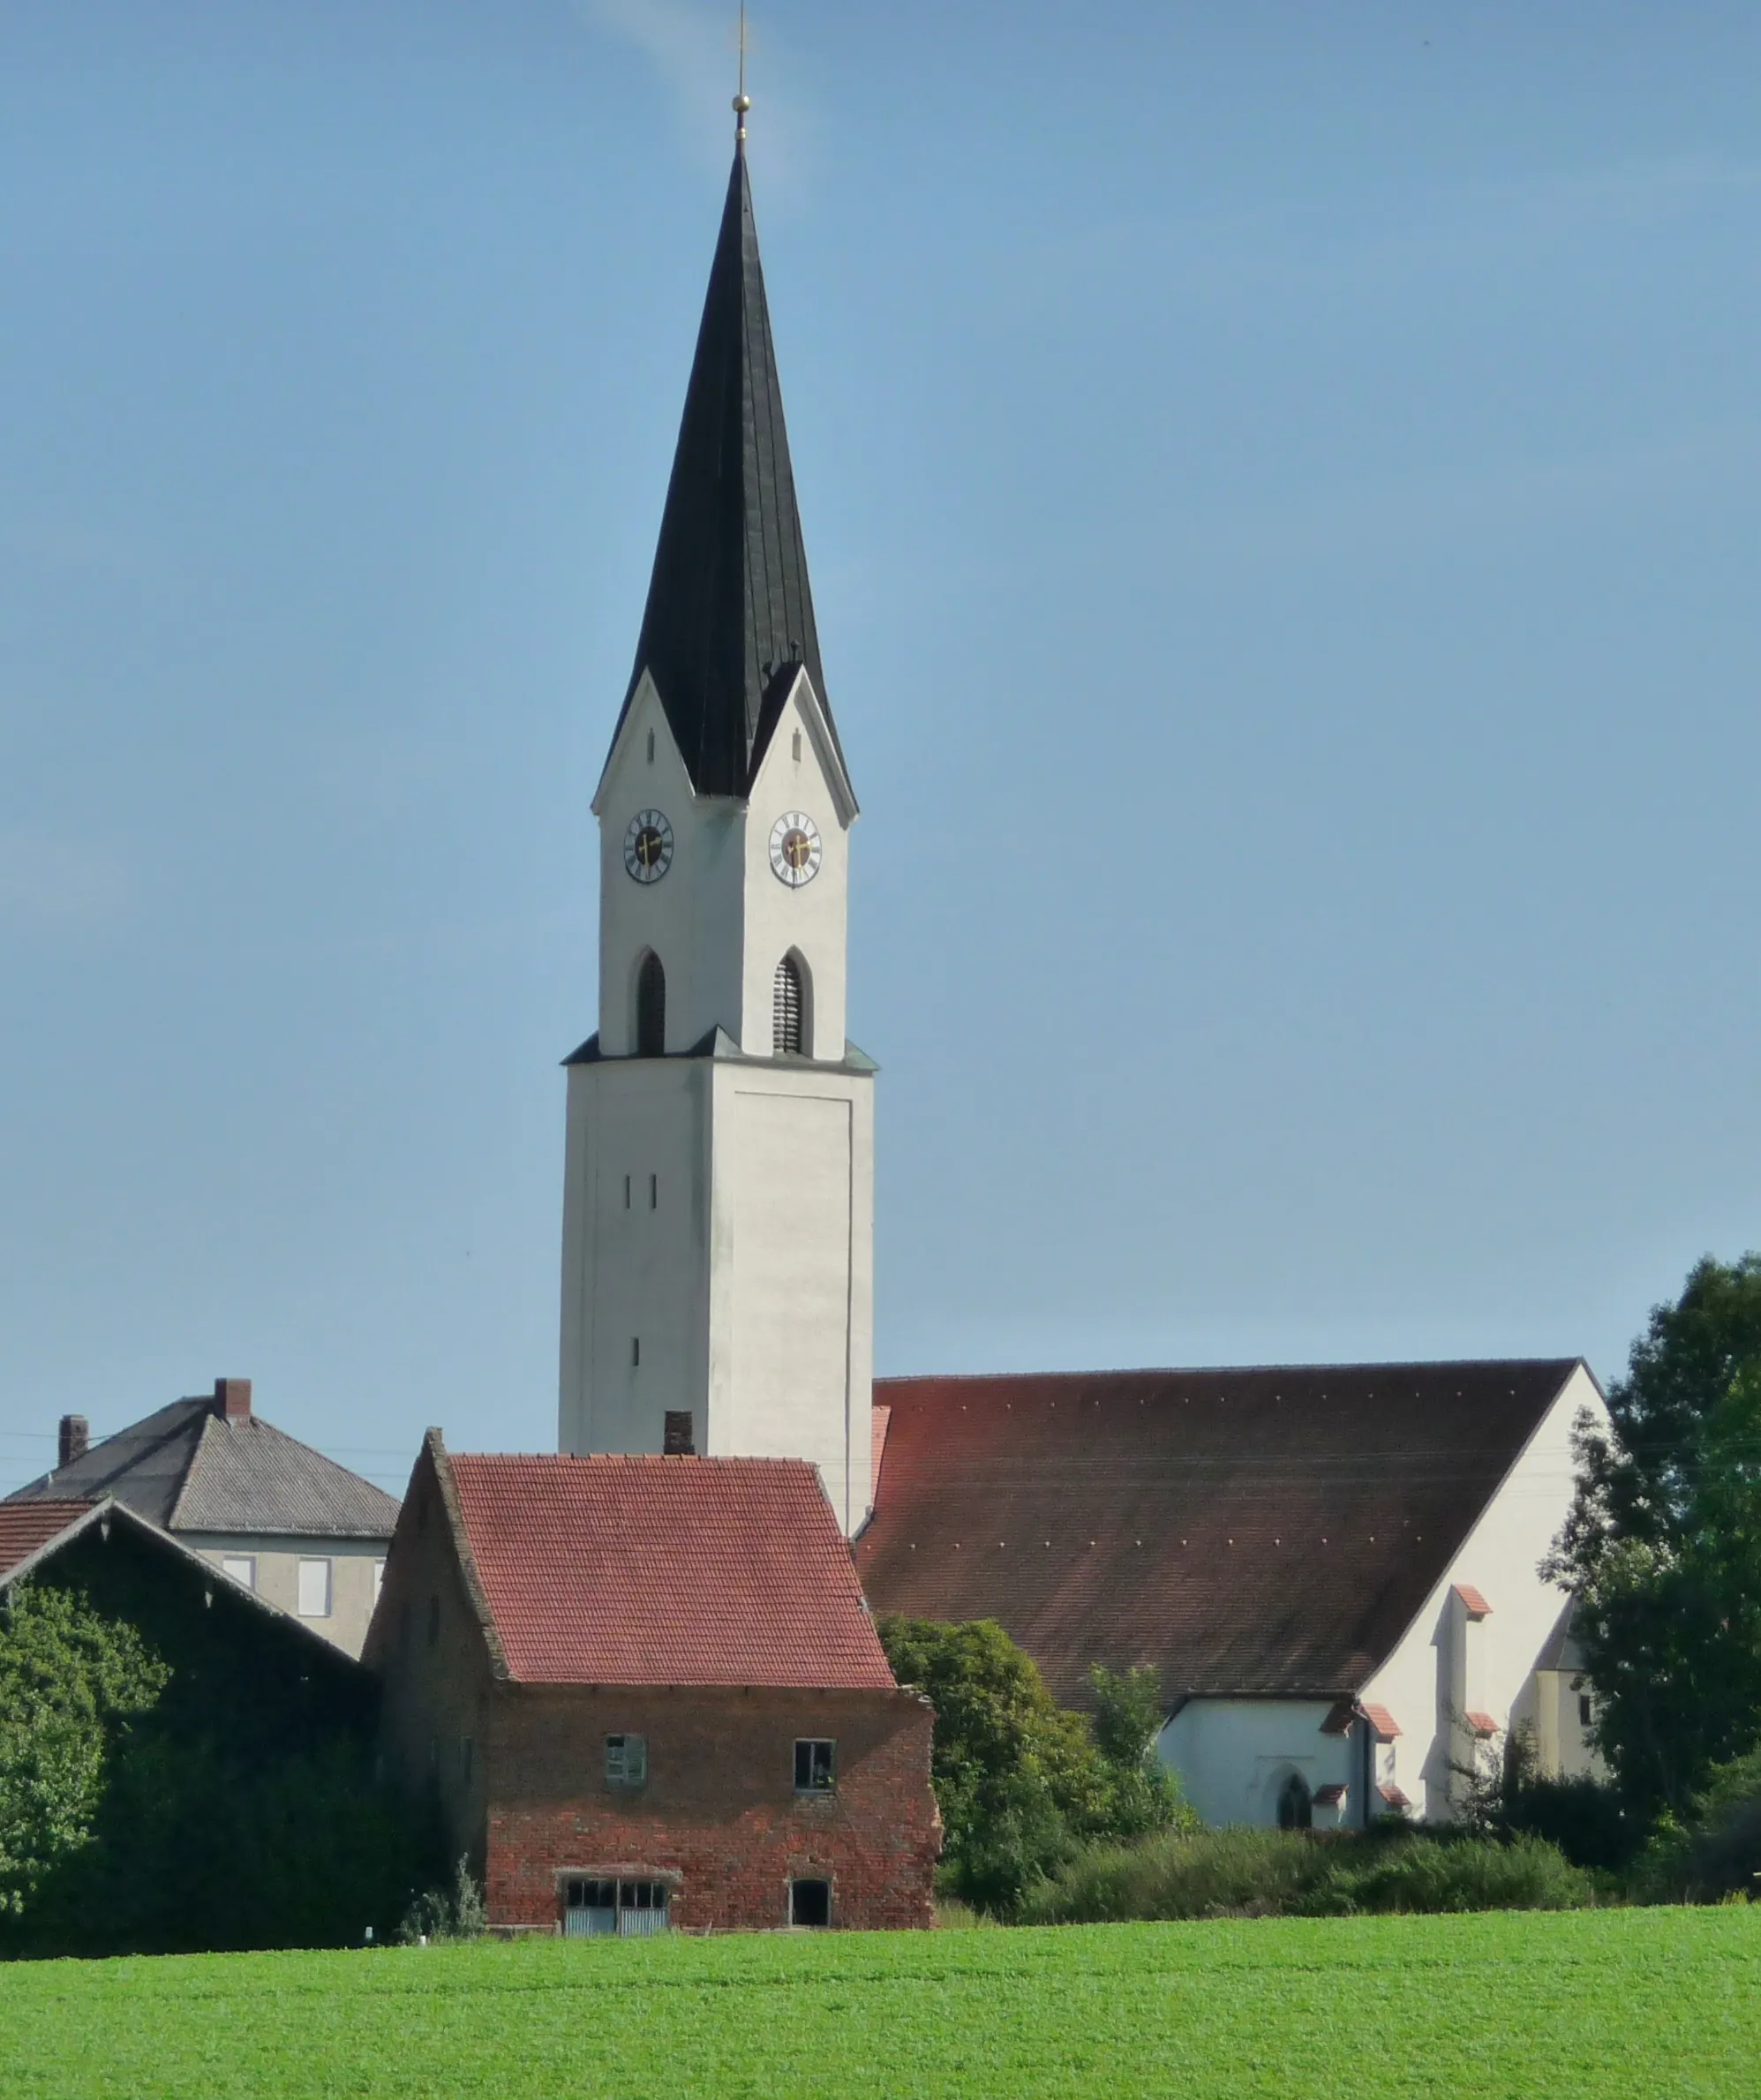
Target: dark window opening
(635, 1352)
(626, 1191)
(1584, 1710)
(654, 1192)
(651, 1007)
(651, 747)
(679, 1437)
(1296, 1804)
(788, 1003)
(810, 1903)
(816, 1766)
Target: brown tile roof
(1248, 1532)
(1393, 1797)
(649, 1570)
(1385, 1728)
(25, 1526)
(1330, 1795)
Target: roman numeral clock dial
(648, 847)
(796, 849)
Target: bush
(446, 1914)
(1717, 1852)
(1272, 1873)
(1020, 1781)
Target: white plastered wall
(354, 1575)
(1445, 1662)
(1233, 1755)
(742, 1261)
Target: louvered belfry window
(651, 1007)
(785, 1018)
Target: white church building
(1334, 1568)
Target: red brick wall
(719, 1810)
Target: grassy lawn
(1642, 2002)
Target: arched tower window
(790, 1021)
(651, 1007)
(1296, 1804)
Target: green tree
(1663, 1544)
(1141, 1793)
(69, 1683)
(1019, 1781)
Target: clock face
(795, 849)
(648, 847)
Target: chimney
(232, 1399)
(74, 1439)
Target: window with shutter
(786, 1009)
(651, 1007)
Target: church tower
(718, 1184)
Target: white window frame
(328, 1571)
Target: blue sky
(1282, 491)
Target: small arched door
(1296, 1804)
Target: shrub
(1266, 1873)
(456, 1912)
(1020, 1781)
(1716, 1854)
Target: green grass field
(1642, 2002)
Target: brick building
(650, 1694)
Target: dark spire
(730, 615)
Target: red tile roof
(1387, 1728)
(648, 1571)
(1472, 1603)
(1482, 1724)
(1268, 1532)
(1393, 1796)
(1330, 1795)
(24, 1526)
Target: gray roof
(729, 619)
(186, 1469)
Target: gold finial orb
(741, 104)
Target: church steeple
(729, 619)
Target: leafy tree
(1663, 1544)
(70, 1683)
(1019, 1781)
(1142, 1794)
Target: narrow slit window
(626, 1191)
(635, 1352)
(651, 748)
(651, 1007)
(797, 747)
(654, 1192)
(787, 1006)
